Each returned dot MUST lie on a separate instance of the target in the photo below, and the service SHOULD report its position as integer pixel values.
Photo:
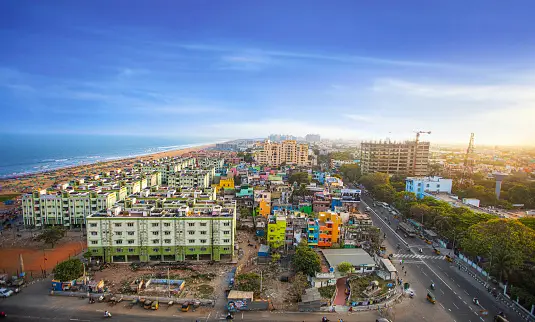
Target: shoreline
(44, 179)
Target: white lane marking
(456, 306)
(442, 306)
(381, 219)
(73, 319)
(446, 274)
(449, 310)
(471, 309)
(458, 285)
(442, 292)
(465, 302)
(466, 292)
(424, 273)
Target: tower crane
(416, 149)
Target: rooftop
(355, 256)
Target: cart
(431, 298)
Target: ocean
(30, 153)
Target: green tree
(520, 194)
(248, 282)
(374, 179)
(275, 257)
(342, 156)
(299, 284)
(306, 260)
(528, 222)
(420, 211)
(350, 172)
(69, 270)
(344, 267)
(299, 177)
(52, 235)
(506, 243)
(384, 192)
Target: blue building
(422, 186)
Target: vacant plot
(36, 260)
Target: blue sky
(231, 69)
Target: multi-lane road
(454, 292)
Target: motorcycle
(432, 286)
(91, 300)
(476, 301)
(107, 314)
(3, 314)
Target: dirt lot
(201, 280)
(34, 258)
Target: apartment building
(68, 209)
(190, 178)
(276, 153)
(276, 233)
(201, 232)
(407, 157)
(166, 166)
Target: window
(94, 233)
(203, 241)
(92, 225)
(130, 250)
(191, 224)
(131, 233)
(167, 224)
(203, 232)
(191, 241)
(130, 241)
(226, 224)
(95, 250)
(203, 224)
(192, 249)
(154, 224)
(118, 233)
(226, 232)
(203, 249)
(155, 233)
(167, 241)
(117, 224)
(119, 241)
(130, 224)
(167, 249)
(167, 232)
(155, 249)
(155, 241)
(119, 250)
(191, 232)
(225, 248)
(226, 240)
(94, 242)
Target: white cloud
(501, 92)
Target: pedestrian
(405, 273)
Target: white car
(4, 292)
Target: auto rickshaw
(449, 259)
(185, 307)
(427, 241)
(147, 305)
(437, 251)
(431, 298)
(155, 305)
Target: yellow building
(275, 153)
(276, 232)
(329, 225)
(227, 182)
(264, 208)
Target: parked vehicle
(185, 307)
(4, 292)
(147, 305)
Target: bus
(408, 230)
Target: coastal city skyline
(243, 70)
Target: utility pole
(168, 284)
(261, 281)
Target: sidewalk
(476, 278)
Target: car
(4, 292)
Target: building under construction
(409, 157)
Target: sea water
(30, 153)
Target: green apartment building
(68, 209)
(201, 232)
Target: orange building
(329, 232)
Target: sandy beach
(31, 182)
